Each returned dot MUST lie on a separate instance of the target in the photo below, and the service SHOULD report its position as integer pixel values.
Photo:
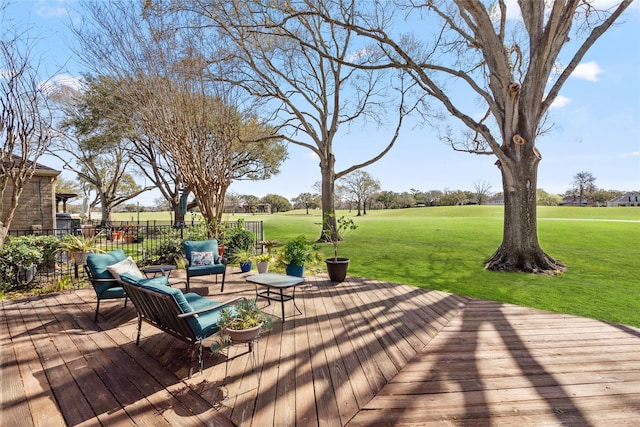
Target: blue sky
(597, 123)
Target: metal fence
(139, 239)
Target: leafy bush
(238, 239)
(17, 255)
(168, 251)
(48, 245)
(199, 231)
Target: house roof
(41, 170)
(631, 195)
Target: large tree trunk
(328, 203)
(520, 249)
(105, 210)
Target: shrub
(17, 255)
(168, 251)
(48, 245)
(238, 239)
(199, 231)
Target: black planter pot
(337, 268)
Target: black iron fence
(144, 241)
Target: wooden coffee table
(276, 284)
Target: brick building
(37, 204)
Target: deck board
(363, 352)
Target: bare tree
(583, 184)
(93, 143)
(483, 191)
(469, 49)
(359, 186)
(178, 105)
(296, 65)
(25, 122)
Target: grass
(445, 248)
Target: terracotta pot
(88, 231)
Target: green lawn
(445, 248)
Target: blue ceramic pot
(295, 270)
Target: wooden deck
(362, 353)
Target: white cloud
(311, 155)
(587, 71)
(62, 80)
(48, 9)
(633, 153)
(560, 101)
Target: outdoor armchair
(104, 283)
(202, 259)
(104, 272)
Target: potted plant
(295, 253)
(244, 322)
(337, 267)
(221, 237)
(243, 257)
(79, 246)
(262, 262)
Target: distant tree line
(361, 192)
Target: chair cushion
(206, 269)
(205, 324)
(177, 294)
(208, 324)
(140, 281)
(198, 302)
(98, 263)
(211, 245)
(112, 293)
(127, 265)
